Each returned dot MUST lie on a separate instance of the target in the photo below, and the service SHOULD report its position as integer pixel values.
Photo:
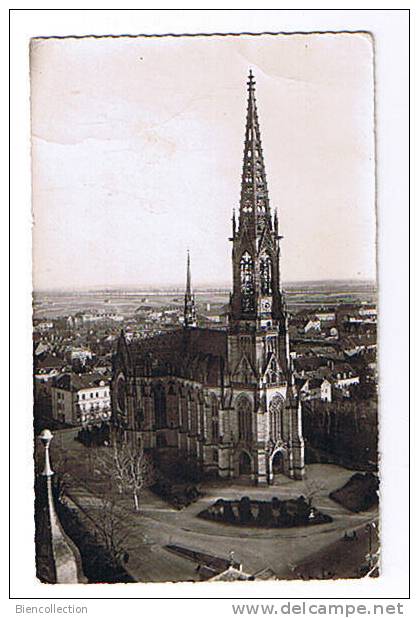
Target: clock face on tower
(266, 304)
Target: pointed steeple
(256, 275)
(254, 200)
(189, 313)
(188, 274)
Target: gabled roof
(311, 382)
(193, 353)
(50, 362)
(243, 364)
(308, 363)
(316, 382)
(339, 367)
(271, 357)
(41, 348)
(75, 382)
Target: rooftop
(195, 353)
(78, 381)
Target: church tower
(257, 304)
(270, 431)
(189, 311)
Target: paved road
(281, 550)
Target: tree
(313, 488)
(138, 470)
(109, 530)
(110, 464)
(61, 478)
(130, 467)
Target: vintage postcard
(205, 308)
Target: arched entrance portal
(278, 463)
(245, 464)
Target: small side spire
(188, 273)
(189, 313)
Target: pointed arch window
(247, 206)
(275, 417)
(261, 205)
(266, 274)
(160, 408)
(184, 410)
(194, 416)
(244, 410)
(172, 406)
(247, 282)
(273, 376)
(190, 411)
(214, 421)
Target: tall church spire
(254, 199)
(256, 278)
(189, 306)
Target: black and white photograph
(204, 308)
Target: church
(225, 399)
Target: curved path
(281, 550)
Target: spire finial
(251, 82)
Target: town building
(82, 355)
(314, 388)
(344, 376)
(313, 326)
(224, 398)
(48, 368)
(81, 399)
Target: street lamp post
(46, 437)
(65, 556)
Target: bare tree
(130, 468)
(313, 488)
(108, 529)
(138, 469)
(61, 478)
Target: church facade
(225, 399)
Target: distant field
(125, 302)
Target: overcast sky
(137, 151)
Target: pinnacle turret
(189, 307)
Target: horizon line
(197, 287)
